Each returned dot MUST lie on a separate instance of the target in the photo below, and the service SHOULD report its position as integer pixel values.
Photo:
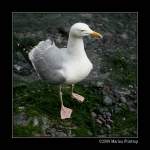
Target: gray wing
(47, 61)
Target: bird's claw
(78, 97)
(65, 112)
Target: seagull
(64, 65)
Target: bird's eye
(82, 30)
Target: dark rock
(60, 134)
(18, 57)
(63, 31)
(51, 131)
(22, 69)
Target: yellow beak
(96, 35)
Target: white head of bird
(79, 30)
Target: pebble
(124, 118)
(117, 109)
(132, 109)
(98, 121)
(124, 36)
(102, 131)
(35, 121)
(87, 15)
(21, 108)
(102, 119)
(107, 100)
(109, 121)
(66, 124)
(60, 134)
(124, 92)
(45, 122)
(107, 37)
(99, 84)
(108, 114)
(69, 133)
(108, 126)
(101, 110)
(17, 67)
(131, 86)
(89, 133)
(21, 119)
(104, 115)
(51, 131)
(123, 99)
(37, 135)
(102, 136)
(123, 58)
(93, 114)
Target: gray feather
(47, 61)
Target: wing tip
(41, 44)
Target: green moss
(81, 132)
(26, 131)
(43, 98)
(39, 98)
(125, 127)
(124, 71)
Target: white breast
(76, 71)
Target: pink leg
(64, 112)
(76, 96)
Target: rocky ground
(110, 109)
